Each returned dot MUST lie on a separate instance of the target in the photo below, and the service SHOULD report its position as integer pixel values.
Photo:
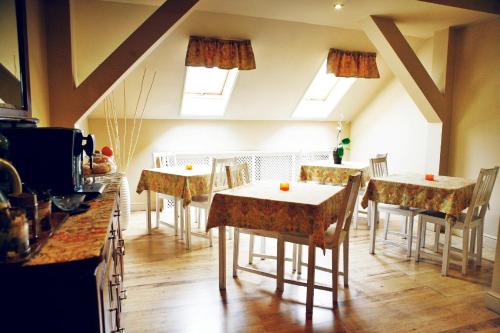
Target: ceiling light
(338, 5)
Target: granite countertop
(81, 236)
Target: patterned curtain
(225, 54)
(352, 64)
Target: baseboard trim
(493, 301)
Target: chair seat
(399, 209)
(440, 217)
(200, 198)
(301, 238)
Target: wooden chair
(378, 168)
(471, 223)
(160, 160)
(238, 175)
(218, 182)
(336, 235)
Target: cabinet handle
(118, 278)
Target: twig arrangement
(123, 143)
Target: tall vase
(124, 202)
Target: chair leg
(479, 250)
(472, 244)
(404, 228)
(262, 246)
(410, 234)
(210, 236)
(420, 231)
(386, 225)
(437, 232)
(250, 249)
(335, 275)
(299, 260)
(345, 251)
(446, 249)
(356, 213)
(157, 207)
(199, 218)
(236, 251)
(465, 250)
(311, 263)
(230, 234)
(424, 234)
(188, 228)
(294, 258)
(280, 264)
(183, 217)
(176, 216)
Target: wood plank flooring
(173, 290)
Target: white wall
(392, 123)
(217, 135)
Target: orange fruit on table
(107, 151)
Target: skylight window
(207, 91)
(323, 95)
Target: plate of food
(102, 163)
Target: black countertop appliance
(49, 158)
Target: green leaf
(346, 141)
(340, 151)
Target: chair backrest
(378, 166)
(237, 175)
(218, 178)
(482, 193)
(347, 210)
(163, 159)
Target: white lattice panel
(274, 167)
(194, 160)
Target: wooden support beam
(433, 100)
(68, 103)
(404, 63)
(487, 6)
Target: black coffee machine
(50, 158)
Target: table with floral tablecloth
(306, 208)
(175, 181)
(327, 172)
(449, 195)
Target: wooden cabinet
(109, 278)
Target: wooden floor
(174, 290)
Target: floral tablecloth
(329, 173)
(449, 195)
(305, 208)
(178, 182)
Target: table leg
(183, 211)
(311, 263)
(222, 258)
(148, 210)
(372, 216)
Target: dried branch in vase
(124, 143)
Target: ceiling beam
(487, 6)
(68, 102)
(404, 63)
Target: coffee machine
(50, 158)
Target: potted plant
(342, 145)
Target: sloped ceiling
(288, 54)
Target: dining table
(304, 208)
(179, 182)
(327, 172)
(448, 195)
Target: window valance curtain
(225, 54)
(352, 64)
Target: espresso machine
(50, 159)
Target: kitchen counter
(81, 236)
(75, 282)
